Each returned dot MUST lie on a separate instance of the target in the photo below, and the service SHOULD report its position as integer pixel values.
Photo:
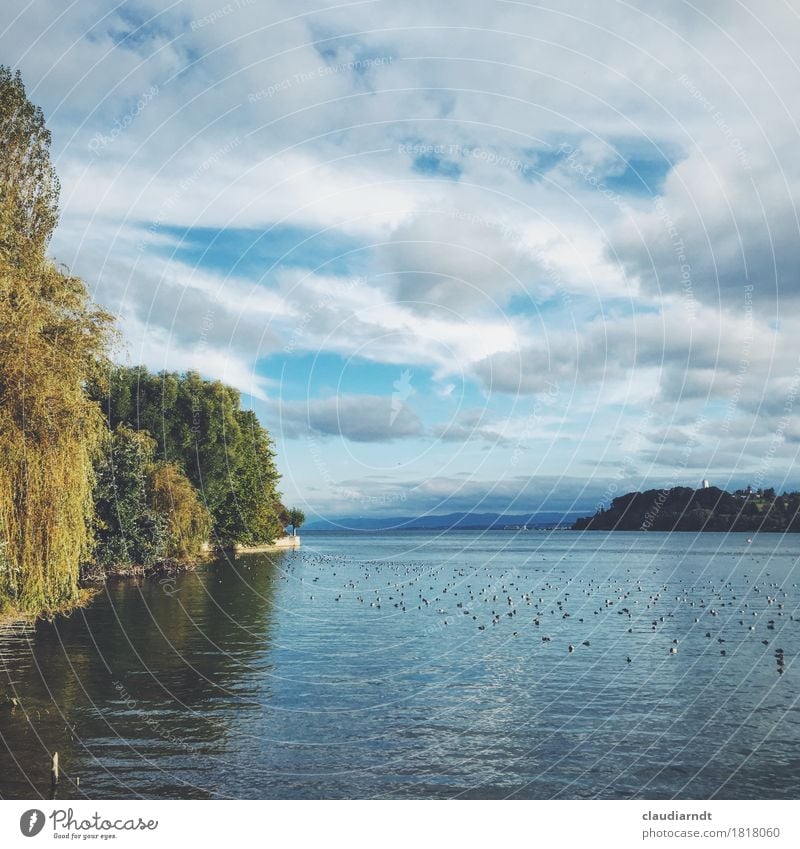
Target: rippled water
(389, 666)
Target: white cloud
(360, 418)
(527, 269)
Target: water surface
(410, 665)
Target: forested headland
(682, 508)
(102, 467)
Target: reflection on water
(414, 665)
(151, 674)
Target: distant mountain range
(452, 521)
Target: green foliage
(248, 513)
(70, 487)
(710, 509)
(171, 495)
(222, 449)
(53, 340)
(296, 519)
(29, 188)
(128, 530)
(144, 511)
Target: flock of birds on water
(567, 610)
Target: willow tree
(188, 523)
(53, 340)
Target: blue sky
(475, 255)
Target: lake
(418, 665)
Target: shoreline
(163, 568)
(279, 544)
(12, 616)
(91, 581)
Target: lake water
(410, 665)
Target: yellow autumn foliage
(171, 494)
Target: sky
(496, 256)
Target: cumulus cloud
(360, 418)
(456, 260)
(609, 205)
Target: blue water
(409, 665)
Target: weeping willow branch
(52, 341)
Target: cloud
(718, 229)
(444, 494)
(360, 418)
(359, 317)
(456, 260)
(526, 254)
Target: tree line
(682, 508)
(101, 466)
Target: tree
(296, 519)
(129, 530)
(50, 340)
(53, 341)
(171, 495)
(223, 450)
(250, 512)
(29, 188)
(145, 511)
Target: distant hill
(710, 509)
(452, 521)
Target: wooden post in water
(54, 771)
